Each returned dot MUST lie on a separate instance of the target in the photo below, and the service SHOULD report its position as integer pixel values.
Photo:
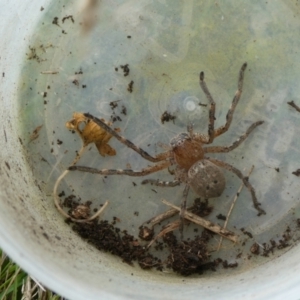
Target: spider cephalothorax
(186, 150)
(204, 177)
(188, 154)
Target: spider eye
(179, 140)
(173, 144)
(184, 136)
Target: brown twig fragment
(205, 223)
(50, 72)
(161, 217)
(231, 207)
(168, 228)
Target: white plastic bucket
(35, 235)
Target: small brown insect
(90, 132)
(189, 155)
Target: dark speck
(166, 117)
(68, 17)
(221, 217)
(7, 165)
(76, 82)
(130, 86)
(55, 21)
(125, 69)
(46, 235)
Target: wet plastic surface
(166, 48)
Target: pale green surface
(166, 52)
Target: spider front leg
(126, 142)
(220, 149)
(128, 172)
(235, 101)
(211, 124)
(213, 133)
(183, 208)
(238, 173)
(161, 183)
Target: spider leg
(235, 101)
(211, 124)
(213, 133)
(219, 149)
(183, 209)
(128, 172)
(126, 142)
(239, 174)
(161, 183)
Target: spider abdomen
(206, 179)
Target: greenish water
(166, 47)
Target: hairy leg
(128, 172)
(208, 139)
(161, 183)
(211, 115)
(235, 101)
(126, 142)
(219, 149)
(239, 174)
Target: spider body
(205, 178)
(189, 155)
(186, 150)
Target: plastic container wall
(31, 230)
